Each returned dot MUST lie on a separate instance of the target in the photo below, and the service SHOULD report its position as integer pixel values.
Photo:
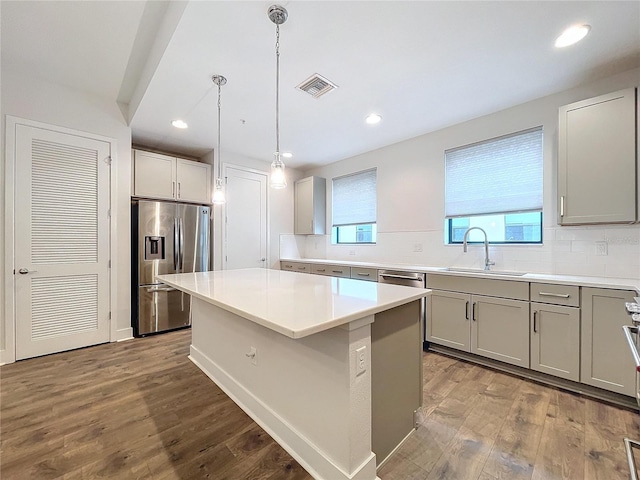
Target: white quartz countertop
(596, 282)
(293, 304)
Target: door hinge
(109, 315)
(108, 160)
(109, 213)
(109, 264)
(416, 419)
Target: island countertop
(293, 304)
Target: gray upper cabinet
(310, 206)
(597, 160)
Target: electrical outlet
(253, 355)
(361, 360)
(601, 248)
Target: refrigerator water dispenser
(154, 248)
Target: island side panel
(304, 392)
(396, 369)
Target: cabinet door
(597, 160)
(304, 207)
(193, 181)
(606, 359)
(448, 319)
(555, 340)
(500, 329)
(154, 175)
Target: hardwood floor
(142, 410)
(132, 410)
(482, 424)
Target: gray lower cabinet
(296, 267)
(500, 329)
(606, 360)
(363, 273)
(555, 340)
(331, 270)
(448, 319)
(496, 328)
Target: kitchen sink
(484, 272)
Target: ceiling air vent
(316, 86)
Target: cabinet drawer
(480, 286)
(295, 267)
(359, 273)
(331, 270)
(568, 295)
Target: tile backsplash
(597, 251)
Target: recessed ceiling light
(373, 119)
(287, 154)
(179, 124)
(572, 35)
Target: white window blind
(501, 175)
(354, 199)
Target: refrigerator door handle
(181, 255)
(176, 253)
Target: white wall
(34, 99)
(411, 200)
(279, 207)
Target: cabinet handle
(535, 322)
(363, 274)
(178, 189)
(558, 295)
(337, 271)
(473, 311)
(173, 189)
(301, 268)
(562, 205)
(321, 270)
(466, 311)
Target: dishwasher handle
(402, 277)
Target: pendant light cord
(219, 159)
(278, 91)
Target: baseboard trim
(539, 377)
(381, 464)
(296, 444)
(124, 334)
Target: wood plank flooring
(480, 424)
(131, 410)
(141, 410)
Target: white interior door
(245, 234)
(61, 241)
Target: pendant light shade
(218, 193)
(278, 15)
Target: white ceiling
(422, 65)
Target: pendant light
(218, 193)
(278, 15)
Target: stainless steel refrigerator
(166, 237)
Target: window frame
(449, 232)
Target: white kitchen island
(299, 353)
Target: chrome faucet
(487, 262)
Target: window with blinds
(354, 203)
(496, 185)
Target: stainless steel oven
(632, 333)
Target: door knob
(24, 271)
(263, 259)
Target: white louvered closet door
(61, 241)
